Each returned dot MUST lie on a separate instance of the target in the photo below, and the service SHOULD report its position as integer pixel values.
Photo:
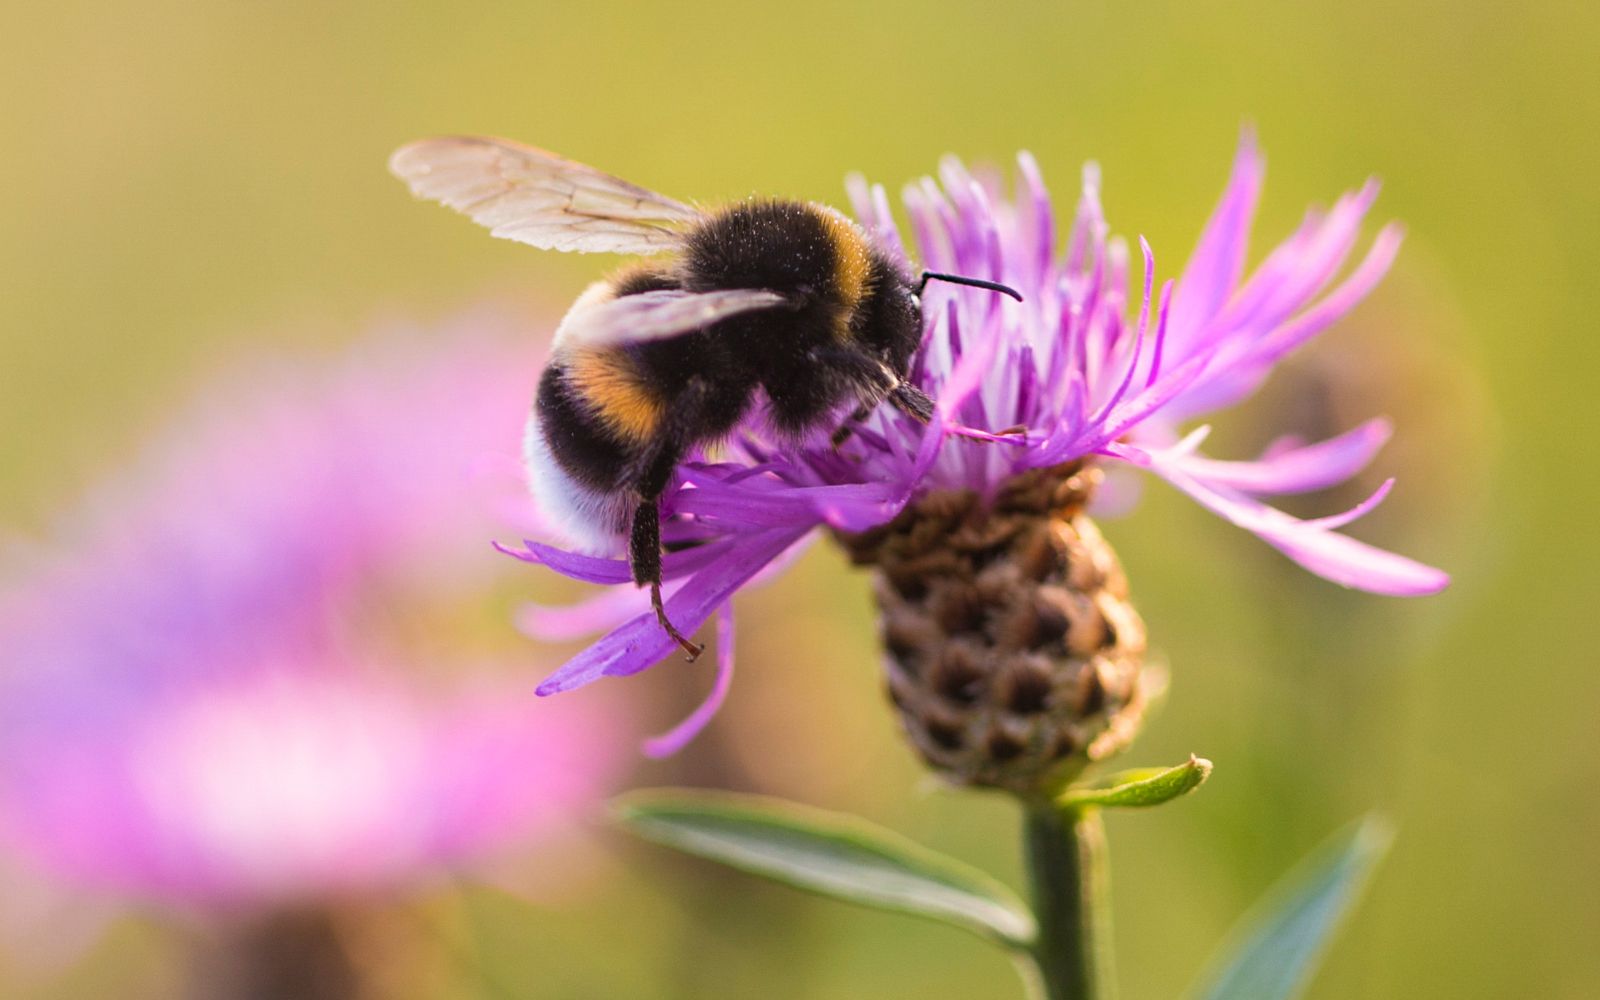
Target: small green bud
(1147, 786)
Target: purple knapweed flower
(213, 688)
(1099, 364)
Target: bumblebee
(781, 299)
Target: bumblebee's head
(890, 315)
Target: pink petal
(1356, 513)
(597, 569)
(1238, 367)
(1299, 268)
(1337, 302)
(676, 738)
(1296, 470)
(1141, 330)
(1214, 270)
(1311, 544)
(641, 642)
(608, 609)
(970, 370)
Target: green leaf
(830, 854)
(1279, 945)
(1150, 786)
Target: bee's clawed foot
(691, 649)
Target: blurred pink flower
(209, 695)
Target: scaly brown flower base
(1013, 651)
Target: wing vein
(536, 197)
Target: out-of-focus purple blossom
(208, 694)
(1100, 362)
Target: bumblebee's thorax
(848, 297)
(794, 247)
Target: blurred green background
(185, 179)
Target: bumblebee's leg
(651, 476)
(644, 557)
(848, 428)
(872, 381)
(877, 383)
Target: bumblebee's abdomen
(592, 435)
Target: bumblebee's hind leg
(844, 430)
(651, 475)
(644, 558)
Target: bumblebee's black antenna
(957, 279)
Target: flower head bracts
(1098, 362)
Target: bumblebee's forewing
(534, 197)
(657, 315)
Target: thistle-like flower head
(1104, 363)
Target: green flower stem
(1066, 857)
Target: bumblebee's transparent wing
(534, 197)
(656, 315)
